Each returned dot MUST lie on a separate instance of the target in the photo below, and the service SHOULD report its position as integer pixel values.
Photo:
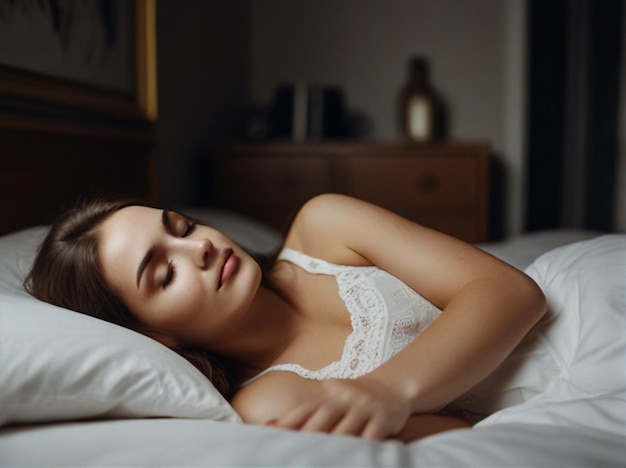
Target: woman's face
(189, 282)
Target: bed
(80, 392)
(76, 391)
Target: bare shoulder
(348, 231)
(271, 396)
(316, 217)
(327, 225)
(329, 207)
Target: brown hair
(66, 273)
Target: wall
(476, 50)
(202, 78)
(620, 208)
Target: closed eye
(191, 226)
(169, 276)
(177, 224)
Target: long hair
(66, 273)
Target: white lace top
(386, 315)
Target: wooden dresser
(441, 185)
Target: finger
(295, 418)
(374, 430)
(323, 419)
(351, 424)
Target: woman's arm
(488, 307)
(258, 404)
(423, 425)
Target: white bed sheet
(179, 442)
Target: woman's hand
(362, 407)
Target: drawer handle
(427, 184)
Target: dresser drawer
(406, 184)
(272, 187)
(440, 185)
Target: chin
(248, 272)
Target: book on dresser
(440, 185)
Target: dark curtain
(573, 84)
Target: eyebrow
(147, 258)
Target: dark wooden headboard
(46, 165)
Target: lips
(229, 265)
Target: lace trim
(382, 325)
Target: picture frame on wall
(96, 57)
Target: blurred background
(539, 84)
(511, 72)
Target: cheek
(188, 299)
(174, 309)
(188, 315)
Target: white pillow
(585, 333)
(56, 364)
(521, 250)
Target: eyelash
(189, 229)
(169, 277)
(171, 269)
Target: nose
(201, 250)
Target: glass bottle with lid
(418, 104)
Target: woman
(365, 324)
